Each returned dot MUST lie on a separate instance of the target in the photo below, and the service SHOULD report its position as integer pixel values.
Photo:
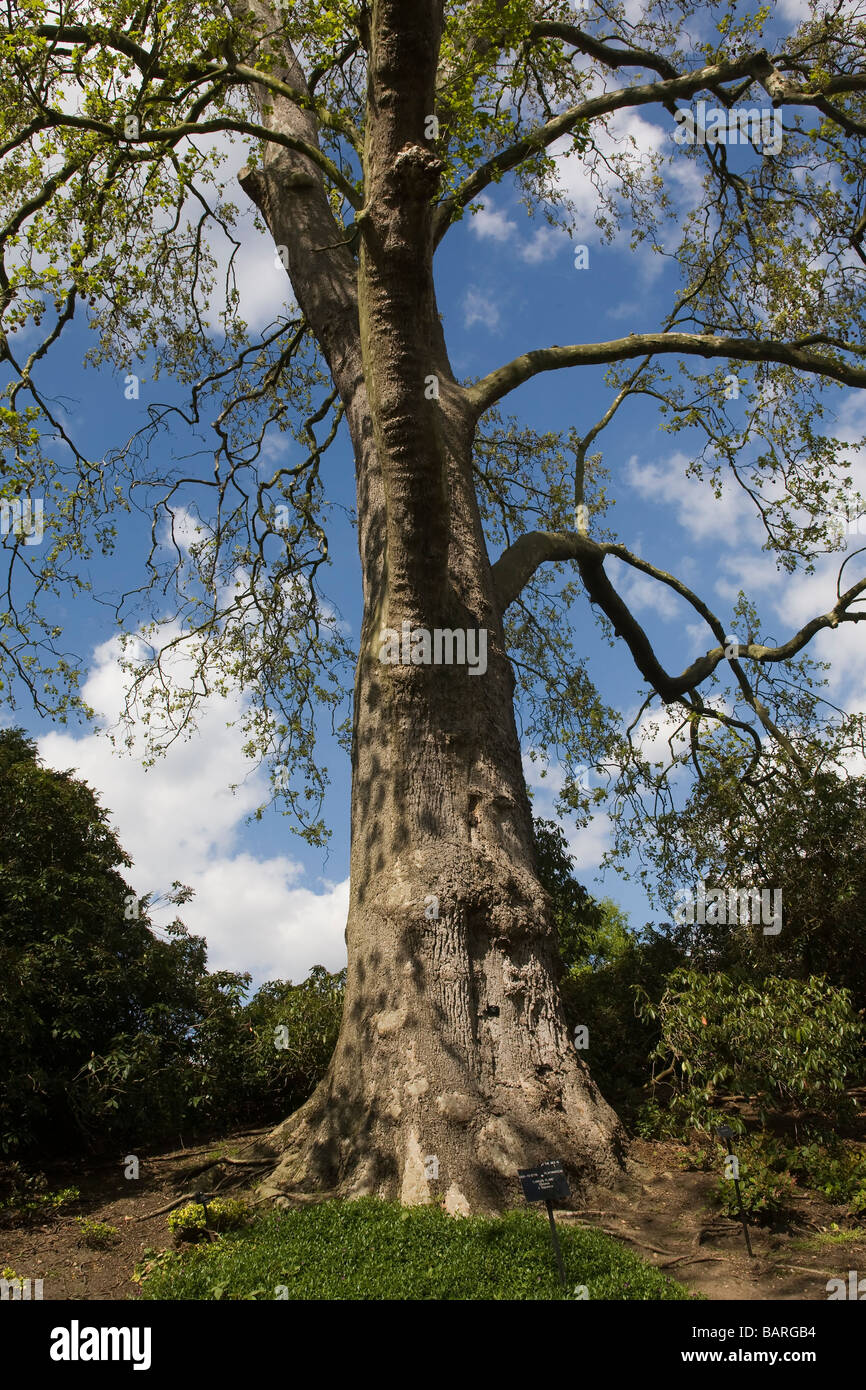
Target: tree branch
(755, 66)
(322, 111)
(519, 562)
(81, 36)
(499, 383)
(171, 135)
(596, 48)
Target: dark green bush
(112, 1033)
(96, 1008)
(823, 1165)
(293, 1033)
(603, 961)
(603, 998)
(789, 1044)
(765, 1194)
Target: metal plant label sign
(546, 1183)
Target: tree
(806, 844)
(583, 926)
(371, 129)
(96, 1009)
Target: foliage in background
(578, 919)
(94, 1008)
(771, 1170)
(765, 1194)
(807, 840)
(112, 1033)
(603, 961)
(789, 1044)
(310, 1012)
(792, 1043)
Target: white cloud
(628, 309)
(797, 10)
(179, 820)
(491, 224)
(700, 635)
(576, 169)
(543, 245)
(586, 845)
(257, 917)
(627, 132)
(729, 518)
(263, 284)
(643, 593)
(629, 136)
(480, 308)
(752, 571)
(658, 733)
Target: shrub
(27, 1195)
(654, 1121)
(601, 995)
(307, 1015)
(788, 1043)
(836, 1170)
(765, 1193)
(97, 1235)
(108, 1031)
(223, 1214)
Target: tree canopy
(116, 119)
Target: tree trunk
(453, 1067)
(453, 1046)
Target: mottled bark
(453, 1044)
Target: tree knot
(418, 170)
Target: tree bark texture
(453, 1044)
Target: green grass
(831, 1237)
(370, 1249)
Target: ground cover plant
(370, 1249)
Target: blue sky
(265, 901)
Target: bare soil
(665, 1214)
(54, 1249)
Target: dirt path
(665, 1214)
(55, 1250)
